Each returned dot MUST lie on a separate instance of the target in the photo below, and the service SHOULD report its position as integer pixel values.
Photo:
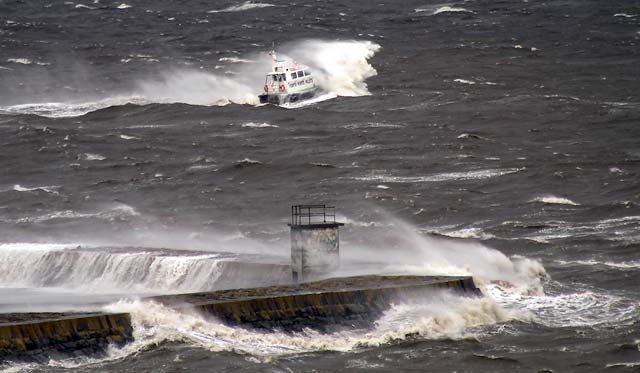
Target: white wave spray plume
(444, 315)
(339, 67)
(399, 248)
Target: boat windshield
(279, 77)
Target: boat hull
(284, 98)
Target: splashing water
(398, 247)
(340, 68)
(443, 315)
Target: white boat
(287, 82)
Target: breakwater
(27, 334)
(322, 305)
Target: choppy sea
(498, 139)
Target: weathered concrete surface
(315, 250)
(63, 334)
(321, 305)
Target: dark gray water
(492, 138)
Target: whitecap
(464, 81)
(247, 5)
(593, 262)
(434, 10)
(447, 9)
(21, 61)
(71, 109)
(625, 15)
(448, 176)
(94, 157)
(235, 60)
(550, 199)
(126, 137)
(117, 212)
(123, 6)
(259, 125)
(49, 189)
(475, 233)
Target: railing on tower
(312, 214)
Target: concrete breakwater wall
(321, 305)
(67, 333)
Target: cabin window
(307, 72)
(293, 75)
(283, 77)
(275, 78)
(300, 74)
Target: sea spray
(438, 315)
(397, 247)
(102, 271)
(339, 67)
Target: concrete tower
(315, 246)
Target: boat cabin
(288, 82)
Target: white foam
(117, 212)
(624, 228)
(49, 189)
(550, 199)
(625, 15)
(434, 10)
(124, 6)
(593, 262)
(126, 137)
(448, 176)
(259, 125)
(439, 315)
(82, 6)
(94, 157)
(247, 5)
(463, 81)
(446, 9)
(311, 101)
(471, 82)
(235, 60)
(475, 232)
(21, 61)
(71, 109)
(570, 309)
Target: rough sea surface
(498, 139)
